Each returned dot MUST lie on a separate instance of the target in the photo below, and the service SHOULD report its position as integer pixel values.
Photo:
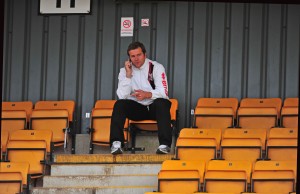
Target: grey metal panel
(208, 50)
(292, 51)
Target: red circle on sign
(126, 23)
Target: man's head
(137, 54)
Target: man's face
(137, 57)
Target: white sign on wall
(65, 6)
(126, 26)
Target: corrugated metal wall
(208, 49)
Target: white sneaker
(163, 149)
(116, 148)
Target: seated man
(143, 95)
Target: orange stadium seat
(28, 151)
(151, 125)
(26, 106)
(10, 182)
(4, 140)
(227, 176)
(215, 113)
(282, 144)
(289, 113)
(198, 144)
(274, 176)
(259, 112)
(14, 169)
(243, 144)
(180, 176)
(100, 124)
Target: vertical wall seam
(80, 59)
(226, 54)
(99, 40)
(62, 58)
(245, 58)
(171, 46)
(283, 51)
(7, 75)
(190, 51)
(208, 42)
(44, 57)
(153, 31)
(116, 55)
(26, 52)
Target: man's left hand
(141, 95)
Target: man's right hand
(128, 68)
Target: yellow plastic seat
(289, 113)
(274, 176)
(17, 167)
(151, 125)
(10, 182)
(259, 112)
(26, 106)
(227, 176)
(282, 144)
(181, 176)
(28, 151)
(215, 113)
(198, 144)
(100, 124)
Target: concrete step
(100, 180)
(95, 190)
(103, 169)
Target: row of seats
(57, 116)
(238, 176)
(249, 113)
(237, 144)
(225, 176)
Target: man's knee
(119, 105)
(162, 103)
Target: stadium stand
(215, 113)
(198, 144)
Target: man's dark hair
(136, 45)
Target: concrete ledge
(100, 180)
(94, 190)
(109, 158)
(103, 169)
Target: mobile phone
(130, 62)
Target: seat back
(26, 106)
(68, 105)
(32, 152)
(274, 176)
(259, 112)
(282, 144)
(242, 144)
(219, 103)
(10, 182)
(55, 120)
(30, 135)
(105, 104)
(234, 174)
(17, 167)
(289, 113)
(13, 120)
(180, 176)
(4, 140)
(198, 144)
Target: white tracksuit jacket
(139, 81)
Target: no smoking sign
(126, 26)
